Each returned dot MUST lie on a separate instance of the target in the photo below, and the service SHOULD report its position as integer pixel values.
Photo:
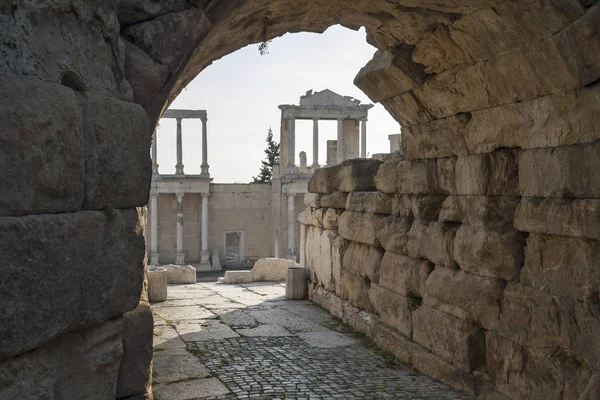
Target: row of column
(291, 166)
(204, 168)
(180, 255)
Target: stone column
(179, 166)
(291, 252)
(204, 166)
(154, 155)
(340, 141)
(302, 245)
(363, 138)
(154, 229)
(315, 163)
(292, 147)
(205, 253)
(180, 256)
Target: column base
(204, 170)
(291, 256)
(204, 267)
(180, 258)
(154, 259)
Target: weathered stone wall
(498, 194)
(463, 269)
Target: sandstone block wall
(466, 270)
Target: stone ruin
(497, 199)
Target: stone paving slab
(249, 342)
(168, 368)
(265, 331)
(183, 313)
(193, 389)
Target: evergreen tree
(272, 151)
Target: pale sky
(241, 93)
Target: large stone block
(79, 365)
(545, 67)
(181, 274)
(334, 200)
(135, 371)
(170, 38)
(81, 50)
(325, 180)
(418, 206)
(488, 211)
(392, 233)
(369, 202)
(433, 241)
(508, 26)
(363, 260)
(545, 323)
(145, 75)
(359, 227)
(404, 275)
(423, 360)
(355, 289)
(459, 342)
(491, 174)
(386, 179)
(493, 252)
(134, 11)
(331, 217)
(312, 200)
(549, 121)
(338, 248)
(469, 297)
(358, 175)
(561, 266)
(393, 308)
(441, 138)
(565, 217)
(313, 249)
(41, 151)
(564, 171)
(323, 268)
(407, 109)
(390, 73)
(66, 272)
(118, 168)
(433, 176)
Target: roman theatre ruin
(475, 259)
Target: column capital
(179, 196)
(204, 119)
(178, 120)
(205, 194)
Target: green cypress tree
(265, 175)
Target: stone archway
(499, 100)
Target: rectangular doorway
(234, 247)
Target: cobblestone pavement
(217, 341)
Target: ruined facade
(498, 101)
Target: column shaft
(292, 147)
(363, 139)
(205, 253)
(315, 163)
(340, 141)
(180, 256)
(179, 166)
(204, 167)
(154, 229)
